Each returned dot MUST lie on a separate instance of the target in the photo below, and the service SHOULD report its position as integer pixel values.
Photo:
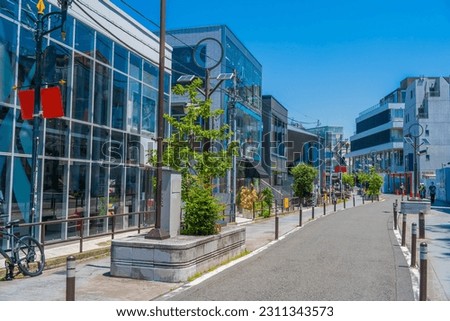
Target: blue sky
(326, 60)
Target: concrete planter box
(415, 206)
(174, 259)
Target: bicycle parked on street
(26, 252)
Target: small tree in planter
(198, 166)
(304, 176)
(375, 182)
(267, 200)
(348, 180)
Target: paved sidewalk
(437, 237)
(94, 283)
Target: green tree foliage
(348, 180)
(375, 183)
(304, 176)
(371, 181)
(198, 163)
(201, 211)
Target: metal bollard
(344, 202)
(276, 227)
(334, 204)
(312, 212)
(421, 225)
(404, 230)
(353, 200)
(300, 215)
(70, 278)
(395, 216)
(423, 271)
(362, 199)
(413, 244)
(324, 208)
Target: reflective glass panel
(80, 140)
(26, 59)
(135, 66)
(29, 12)
(54, 197)
(102, 94)
(57, 137)
(100, 144)
(119, 100)
(23, 135)
(117, 148)
(150, 74)
(82, 88)
(8, 60)
(149, 109)
(5, 168)
(133, 150)
(84, 39)
(77, 196)
(104, 49)
(6, 128)
(134, 96)
(63, 72)
(9, 8)
(120, 58)
(20, 202)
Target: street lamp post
(157, 232)
(208, 63)
(36, 144)
(414, 142)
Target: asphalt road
(348, 255)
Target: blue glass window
(102, 94)
(103, 49)
(135, 66)
(84, 39)
(27, 51)
(149, 109)
(82, 88)
(9, 8)
(134, 95)
(100, 144)
(56, 137)
(6, 128)
(119, 102)
(120, 58)
(29, 12)
(81, 140)
(8, 45)
(150, 74)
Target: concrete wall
(174, 259)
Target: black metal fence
(81, 229)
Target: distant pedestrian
(422, 190)
(432, 190)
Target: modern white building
(378, 141)
(427, 126)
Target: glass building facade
(93, 159)
(193, 51)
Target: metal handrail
(80, 221)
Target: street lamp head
(185, 79)
(225, 76)
(64, 4)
